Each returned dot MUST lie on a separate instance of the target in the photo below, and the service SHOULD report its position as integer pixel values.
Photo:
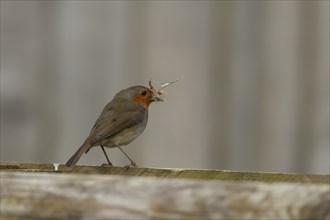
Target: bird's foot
(133, 164)
(105, 165)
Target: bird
(121, 121)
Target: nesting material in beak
(161, 93)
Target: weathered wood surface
(26, 195)
(171, 173)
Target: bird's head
(140, 94)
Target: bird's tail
(74, 159)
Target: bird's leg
(105, 154)
(133, 164)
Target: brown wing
(115, 117)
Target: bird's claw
(133, 164)
(104, 165)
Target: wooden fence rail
(38, 191)
(170, 173)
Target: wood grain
(171, 173)
(74, 196)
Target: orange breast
(143, 100)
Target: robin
(121, 121)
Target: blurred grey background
(255, 93)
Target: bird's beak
(157, 99)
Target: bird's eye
(143, 93)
